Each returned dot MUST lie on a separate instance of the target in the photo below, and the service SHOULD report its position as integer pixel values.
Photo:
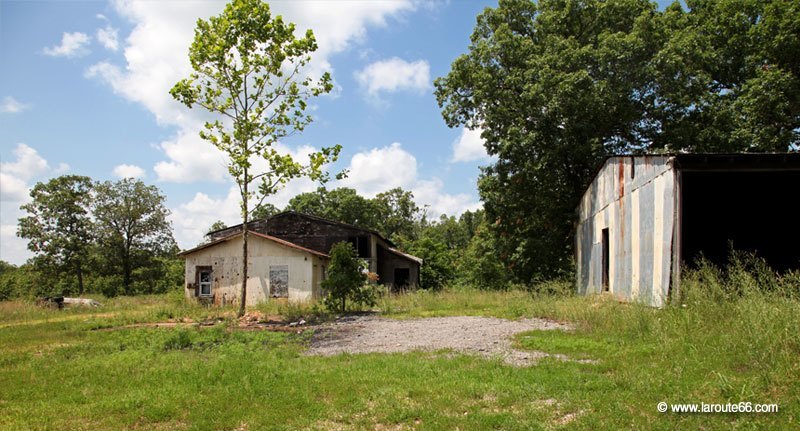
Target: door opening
(401, 277)
(606, 259)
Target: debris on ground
(81, 301)
(61, 301)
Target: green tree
(480, 266)
(22, 281)
(312, 203)
(264, 210)
(728, 77)
(557, 86)
(397, 215)
(217, 225)
(438, 268)
(341, 204)
(58, 226)
(346, 279)
(249, 69)
(132, 228)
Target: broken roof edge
(405, 255)
(313, 217)
(257, 234)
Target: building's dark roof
(740, 161)
(315, 218)
(260, 235)
(719, 161)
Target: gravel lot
(490, 337)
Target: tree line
(97, 237)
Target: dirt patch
(486, 336)
(251, 321)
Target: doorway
(401, 277)
(606, 259)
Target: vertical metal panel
(666, 238)
(658, 235)
(636, 206)
(647, 201)
(636, 234)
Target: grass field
(59, 372)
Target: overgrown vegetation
(734, 337)
(347, 280)
(556, 86)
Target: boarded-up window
(279, 281)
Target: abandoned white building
(288, 257)
(643, 217)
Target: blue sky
(83, 90)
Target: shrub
(346, 280)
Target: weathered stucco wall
(634, 198)
(305, 270)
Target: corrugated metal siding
(637, 208)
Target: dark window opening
(633, 168)
(360, 245)
(279, 281)
(606, 260)
(748, 211)
(401, 277)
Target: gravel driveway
(487, 336)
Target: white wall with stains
(224, 258)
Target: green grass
(57, 372)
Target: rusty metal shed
(643, 217)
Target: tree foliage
(397, 215)
(132, 229)
(557, 86)
(58, 226)
(341, 204)
(249, 69)
(346, 280)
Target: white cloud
(191, 159)
(12, 189)
(469, 147)
(12, 248)
(72, 45)
(156, 57)
(128, 171)
(108, 37)
(394, 75)
(380, 169)
(15, 177)
(192, 219)
(9, 105)
(29, 163)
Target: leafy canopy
(132, 228)
(58, 226)
(249, 69)
(347, 279)
(556, 86)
